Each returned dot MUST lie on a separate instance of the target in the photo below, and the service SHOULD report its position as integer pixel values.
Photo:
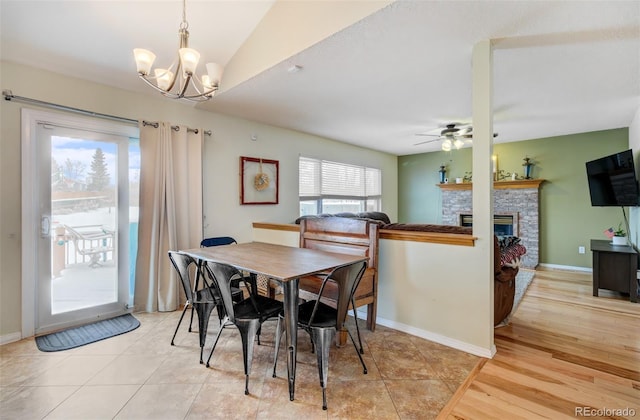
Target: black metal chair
(322, 321)
(247, 315)
(201, 300)
(217, 241)
(228, 240)
(237, 294)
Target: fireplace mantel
(498, 185)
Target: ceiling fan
(453, 135)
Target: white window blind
(309, 173)
(334, 179)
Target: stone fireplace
(516, 207)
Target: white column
(482, 104)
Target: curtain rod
(155, 124)
(9, 96)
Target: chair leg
(364, 367)
(355, 317)
(204, 312)
(221, 312)
(279, 331)
(215, 343)
(180, 322)
(191, 322)
(323, 338)
(248, 331)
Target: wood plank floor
(566, 354)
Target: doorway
(79, 206)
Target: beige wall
(231, 139)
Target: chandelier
(181, 83)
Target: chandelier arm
(185, 85)
(204, 95)
(194, 98)
(164, 92)
(204, 92)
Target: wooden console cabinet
(614, 268)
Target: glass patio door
(81, 201)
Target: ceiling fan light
(144, 60)
(458, 143)
(446, 145)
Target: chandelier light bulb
(189, 60)
(206, 82)
(144, 60)
(164, 78)
(214, 71)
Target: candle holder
(528, 164)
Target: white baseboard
(566, 267)
(10, 338)
(436, 338)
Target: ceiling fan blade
(469, 135)
(428, 135)
(426, 141)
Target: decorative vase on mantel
(527, 167)
(443, 173)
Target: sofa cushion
(372, 216)
(375, 215)
(510, 256)
(460, 230)
(507, 240)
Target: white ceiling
(560, 67)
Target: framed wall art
(258, 181)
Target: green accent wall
(567, 219)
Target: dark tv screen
(612, 180)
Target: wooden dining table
(286, 265)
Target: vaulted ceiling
(374, 78)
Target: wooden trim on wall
(289, 227)
(498, 185)
(432, 237)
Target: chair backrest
(347, 277)
(182, 262)
(217, 241)
(341, 235)
(222, 276)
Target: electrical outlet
(581, 250)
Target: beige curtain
(170, 211)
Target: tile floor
(139, 375)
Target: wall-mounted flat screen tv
(612, 180)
